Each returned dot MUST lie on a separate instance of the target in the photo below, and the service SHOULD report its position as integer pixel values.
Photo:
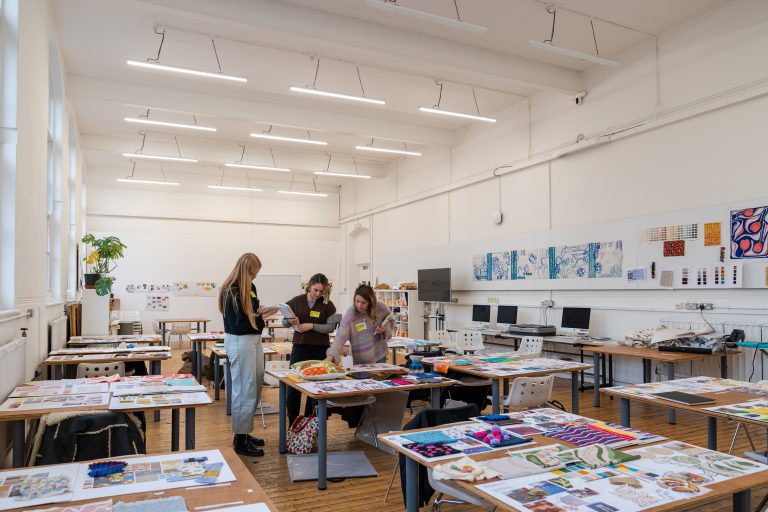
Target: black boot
(244, 447)
(256, 441)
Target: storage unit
(408, 312)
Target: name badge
(360, 327)
(253, 294)
(314, 314)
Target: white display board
(274, 289)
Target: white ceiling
(270, 42)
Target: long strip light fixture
(312, 89)
(139, 153)
(131, 179)
(391, 6)
(549, 46)
(242, 165)
(328, 172)
(267, 135)
(314, 193)
(240, 189)
(370, 147)
(435, 109)
(154, 64)
(144, 119)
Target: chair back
(531, 346)
(156, 327)
(274, 365)
(444, 337)
(530, 392)
(181, 328)
(469, 341)
(100, 369)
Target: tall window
(72, 261)
(53, 210)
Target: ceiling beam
(267, 23)
(254, 111)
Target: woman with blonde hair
(243, 323)
(315, 320)
(367, 326)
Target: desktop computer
(505, 317)
(481, 316)
(575, 322)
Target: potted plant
(100, 261)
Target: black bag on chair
(432, 418)
(83, 436)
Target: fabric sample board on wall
(749, 233)
(674, 248)
(712, 234)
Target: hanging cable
(268, 131)
(143, 140)
(475, 96)
(354, 162)
(175, 138)
(242, 154)
(162, 171)
(551, 10)
(328, 165)
(439, 94)
(594, 38)
(221, 181)
(360, 79)
(133, 169)
(274, 162)
(216, 54)
(144, 116)
(317, 70)
(456, 5)
(160, 48)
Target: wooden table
(163, 323)
(721, 398)
(244, 490)
(154, 359)
(84, 341)
(18, 419)
(322, 414)
(402, 342)
(648, 355)
(498, 381)
(740, 487)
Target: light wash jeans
(246, 360)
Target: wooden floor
(366, 494)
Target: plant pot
(90, 280)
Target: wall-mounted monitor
(434, 285)
(506, 315)
(481, 313)
(576, 320)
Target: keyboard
(688, 350)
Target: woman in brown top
(312, 325)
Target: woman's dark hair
(320, 279)
(366, 292)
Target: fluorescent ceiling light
(242, 189)
(159, 157)
(141, 120)
(257, 167)
(318, 92)
(392, 151)
(432, 110)
(572, 53)
(297, 193)
(449, 22)
(288, 139)
(185, 71)
(147, 182)
(342, 175)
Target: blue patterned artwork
(531, 264)
(480, 267)
(500, 266)
(570, 262)
(590, 260)
(605, 259)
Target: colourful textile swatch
(674, 248)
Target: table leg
(742, 501)
(322, 444)
(174, 430)
(596, 376)
(724, 366)
(671, 376)
(610, 370)
(154, 369)
(604, 372)
(19, 446)
(505, 388)
(281, 420)
(216, 376)
(189, 429)
(205, 326)
(712, 433)
(57, 372)
(194, 361)
(435, 397)
(495, 406)
(646, 371)
(394, 355)
(412, 485)
(228, 385)
(624, 412)
(575, 392)
(162, 332)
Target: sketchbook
(684, 398)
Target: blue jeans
(246, 360)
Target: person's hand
(330, 359)
(305, 327)
(266, 311)
(294, 321)
(380, 330)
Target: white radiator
(57, 333)
(13, 355)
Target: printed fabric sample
(712, 233)
(749, 233)
(674, 248)
(500, 266)
(480, 267)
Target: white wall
(195, 235)
(697, 151)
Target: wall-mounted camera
(579, 98)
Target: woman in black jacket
(243, 323)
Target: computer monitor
(481, 314)
(506, 315)
(576, 320)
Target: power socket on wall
(548, 303)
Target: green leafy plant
(100, 259)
